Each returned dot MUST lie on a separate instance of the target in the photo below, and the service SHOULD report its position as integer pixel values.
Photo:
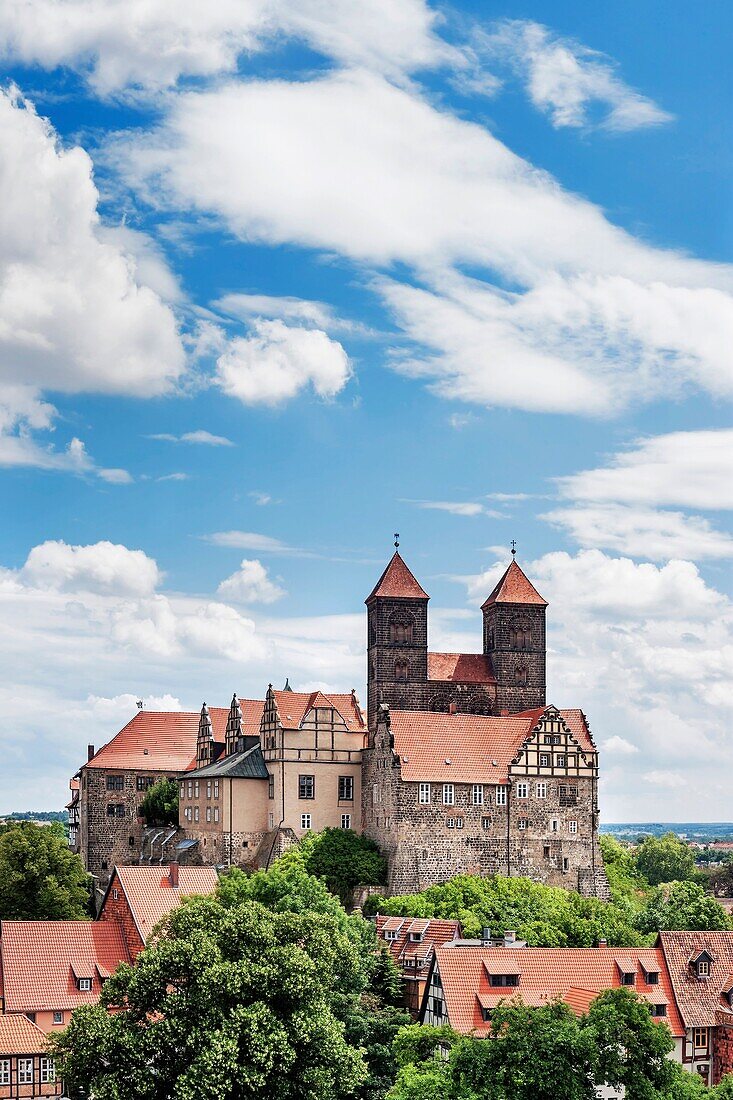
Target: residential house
(26, 1070)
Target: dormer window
(511, 980)
(702, 965)
(627, 971)
(84, 985)
(416, 937)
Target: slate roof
(42, 959)
(513, 587)
(398, 581)
(150, 895)
(19, 1036)
(698, 998)
(467, 668)
(574, 974)
(247, 764)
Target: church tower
(397, 641)
(514, 639)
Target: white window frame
(4, 1071)
(345, 821)
(501, 796)
(554, 825)
(58, 1017)
(573, 826)
(459, 823)
(522, 823)
(544, 759)
(196, 813)
(449, 794)
(306, 821)
(208, 813)
(541, 790)
(477, 794)
(216, 814)
(85, 985)
(26, 1075)
(521, 790)
(48, 1071)
(216, 788)
(424, 794)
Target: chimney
(485, 936)
(504, 712)
(510, 936)
(173, 873)
(603, 943)
(90, 752)
(452, 708)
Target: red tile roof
(434, 932)
(397, 580)
(293, 706)
(150, 895)
(698, 998)
(467, 668)
(574, 974)
(40, 958)
(19, 1036)
(513, 587)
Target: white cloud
(277, 361)
(177, 476)
(642, 532)
(600, 319)
(671, 780)
(153, 43)
(260, 499)
(251, 540)
(250, 584)
(199, 436)
(457, 507)
(115, 476)
(565, 79)
(103, 567)
(693, 469)
(300, 310)
(619, 745)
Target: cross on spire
(514, 547)
(396, 540)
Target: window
(522, 790)
(400, 633)
(271, 786)
(48, 1071)
(560, 760)
(4, 1071)
(573, 826)
(566, 864)
(544, 759)
(449, 794)
(188, 813)
(522, 823)
(628, 978)
(459, 823)
(85, 985)
(196, 789)
(305, 821)
(659, 1010)
(144, 781)
(401, 670)
(190, 788)
(182, 791)
(700, 1038)
(541, 790)
(115, 895)
(25, 1071)
(424, 795)
(437, 1008)
(511, 980)
(270, 821)
(552, 739)
(554, 825)
(208, 788)
(703, 968)
(652, 977)
(546, 851)
(501, 796)
(306, 787)
(216, 788)
(216, 813)
(31, 1016)
(346, 788)
(520, 677)
(485, 822)
(115, 782)
(115, 809)
(208, 813)
(477, 794)
(450, 822)
(58, 1017)
(345, 821)
(195, 813)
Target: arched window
(440, 704)
(372, 673)
(520, 676)
(401, 670)
(519, 636)
(479, 704)
(401, 630)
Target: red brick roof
(397, 580)
(574, 974)
(513, 587)
(467, 668)
(293, 706)
(19, 1036)
(698, 998)
(41, 958)
(435, 932)
(150, 895)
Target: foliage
(681, 905)
(40, 877)
(342, 858)
(665, 859)
(228, 1001)
(633, 1048)
(627, 884)
(160, 805)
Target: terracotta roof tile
(698, 998)
(434, 932)
(293, 706)
(39, 959)
(150, 895)
(467, 668)
(513, 587)
(397, 580)
(458, 748)
(19, 1036)
(573, 974)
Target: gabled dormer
(626, 971)
(701, 965)
(503, 970)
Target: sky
(278, 279)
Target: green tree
(627, 884)
(160, 805)
(724, 1089)
(424, 1073)
(665, 859)
(681, 906)
(632, 1048)
(40, 878)
(342, 858)
(227, 1003)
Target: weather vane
(396, 540)
(514, 547)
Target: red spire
(514, 588)
(397, 580)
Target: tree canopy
(160, 805)
(665, 859)
(40, 877)
(681, 905)
(342, 858)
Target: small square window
(424, 795)
(450, 822)
(522, 823)
(345, 821)
(485, 822)
(449, 794)
(703, 968)
(58, 1017)
(560, 760)
(544, 760)
(459, 823)
(85, 985)
(305, 821)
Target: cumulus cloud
(566, 80)
(103, 567)
(277, 361)
(250, 584)
(618, 744)
(599, 318)
(642, 532)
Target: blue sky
(278, 280)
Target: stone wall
(520, 671)
(722, 1046)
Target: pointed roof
(513, 587)
(397, 580)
